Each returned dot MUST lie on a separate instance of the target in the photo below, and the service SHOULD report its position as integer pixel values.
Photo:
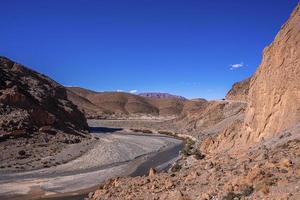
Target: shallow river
(134, 154)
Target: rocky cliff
(274, 94)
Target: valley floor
(114, 153)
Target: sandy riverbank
(115, 154)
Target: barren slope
(123, 104)
(37, 121)
(168, 106)
(30, 101)
(84, 105)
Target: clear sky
(184, 47)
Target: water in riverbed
(161, 161)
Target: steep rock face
(274, 95)
(239, 91)
(31, 102)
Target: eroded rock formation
(274, 94)
(31, 102)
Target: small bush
(166, 133)
(247, 191)
(135, 130)
(141, 130)
(176, 168)
(198, 155)
(146, 131)
(189, 148)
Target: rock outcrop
(31, 102)
(239, 91)
(274, 94)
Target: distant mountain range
(159, 95)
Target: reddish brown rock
(177, 195)
(239, 91)
(152, 172)
(121, 104)
(274, 97)
(30, 101)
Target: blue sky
(184, 47)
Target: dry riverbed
(116, 153)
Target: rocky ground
(39, 126)
(32, 103)
(41, 151)
(270, 170)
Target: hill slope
(37, 121)
(97, 104)
(30, 101)
(84, 105)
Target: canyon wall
(274, 94)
